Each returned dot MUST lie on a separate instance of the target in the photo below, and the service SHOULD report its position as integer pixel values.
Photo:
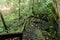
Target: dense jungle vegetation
(36, 19)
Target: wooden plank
(2, 37)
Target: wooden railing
(16, 36)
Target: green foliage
(20, 11)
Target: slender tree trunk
(3, 21)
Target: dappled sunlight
(6, 7)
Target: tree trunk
(3, 21)
(56, 4)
